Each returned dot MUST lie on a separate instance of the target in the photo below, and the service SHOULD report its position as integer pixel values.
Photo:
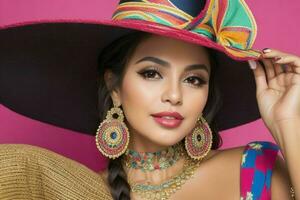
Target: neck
(151, 161)
(140, 143)
(154, 167)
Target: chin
(163, 140)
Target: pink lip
(169, 123)
(170, 114)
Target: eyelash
(146, 72)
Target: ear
(109, 79)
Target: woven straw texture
(30, 172)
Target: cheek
(137, 96)
(195, 100)
(194, 103)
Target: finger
(283, 58)
(289, 59)
(259, 76)
(279, 69)
(271, 53)
(287, 68)
(289, 79)
(269, 67)
(280, 77)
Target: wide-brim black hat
(48, 68)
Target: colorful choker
(153, 161)
(169, 187)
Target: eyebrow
(166, 64)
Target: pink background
(277, 28)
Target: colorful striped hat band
(229, 23)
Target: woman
(155, 95)
(157, 88)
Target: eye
(196, 81)
(150, 74)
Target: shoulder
(230, 165)
(214, 173)
(236, 158)
(230, 157)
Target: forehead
(171, 50)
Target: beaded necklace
(149, 161)
(165, 158)
(164, 190)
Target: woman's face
(163, 75)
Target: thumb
(259, 76)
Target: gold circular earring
(198, 143)
(112, 137)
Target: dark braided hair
(114, 58)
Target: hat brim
(48, 71)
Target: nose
(172, 93)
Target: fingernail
(252, 64)
(266, 50)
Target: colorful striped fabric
(256, 170)
(229, 23)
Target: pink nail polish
(252, 64)
(266, 50)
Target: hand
(277, 77)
